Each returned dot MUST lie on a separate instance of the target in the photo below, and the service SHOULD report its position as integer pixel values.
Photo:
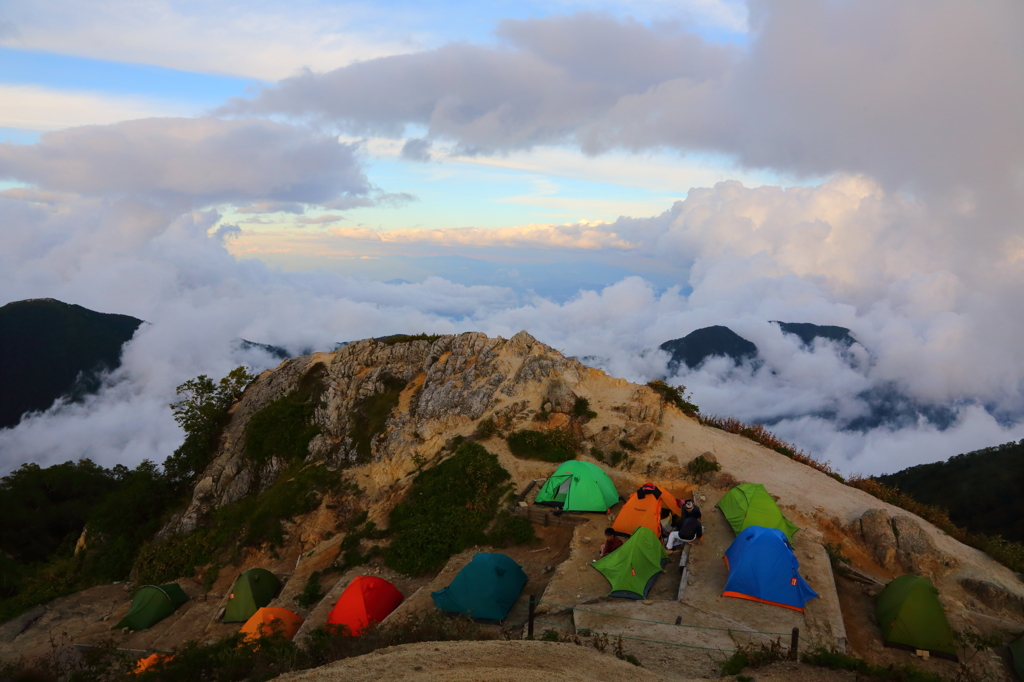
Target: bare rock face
(708, 456)
(878, 537)
(639, 436)
(917, 552)
(441, 386)
(994, 596)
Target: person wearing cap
(690, 510)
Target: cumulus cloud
(201, 162)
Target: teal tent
(151, 604)
(578, 486)
(634, 567)
(252, 591)
(485, 589)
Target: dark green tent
(911, 617)
(578, 486)
(253, 590)
(633, 568)
(151, 604)
(1017, 651)
(485, 589)
(749, 504)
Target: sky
(607, 176)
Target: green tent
(633, 567)
(911, 617)
(1017, 651)
(578, 486)
(485, 589)
(151, 604)
(252, 591)
(749, 504)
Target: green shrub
(311, 592)
(674, 395)
(511, 530)
(581, 409)
(549, 636)
(835, 554)
(548, 446)
(616, 457)
(370, 415)
(833, 660)
(447, 509)
(485, 429)
(701, 469)
(626, 445)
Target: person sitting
(688, 531)
(611, 542)
(690, 510)
(666, 522)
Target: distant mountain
(983, 490)
(699, 345)
(274, 351)
(50, 349)
(809, 332)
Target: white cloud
(32, 107)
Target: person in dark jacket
(688, 531)
(690, 510)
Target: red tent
(365, 601)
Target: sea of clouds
(914, 114)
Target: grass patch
(370, 415)
(581, 409)
(834, 660)
(511, 530)
(547, 446)
(311, 591)
(674, 395)
(485, 429)
(447, 510)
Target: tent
(749, 504)
(151, 661)
(253, 589)
(578, 486)
(270, 620)
(911, 617)
(762, 567)
(633, 568)
(485, 589)
(1017, 651)
(151, 604)
(643, 508)
(365, 601)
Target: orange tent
(149, 661)
(365, 601)
(270, 620)
(643, 508)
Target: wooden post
(533, 611)
(794, 644)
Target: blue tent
(762, 567)
(485, 589)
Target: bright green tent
(578, 486)
(633, 568)
(252, 591)
(749, 504)
(1017, 650)
(485, 589)
(151, 604)
(911, 617)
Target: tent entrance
(562, 485)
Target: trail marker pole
(533, 612)
(793, 644)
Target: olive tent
(578, 486)
(911, 617)
(151, 604)
(366, 600)
(643, 508)
(253, 590)
(1017, 651)
(271, 620)
(485, 589)
(634, 567)
(749, 504)
(763, 568)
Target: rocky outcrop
(994, 596)
(900, 543)
(444, 386)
